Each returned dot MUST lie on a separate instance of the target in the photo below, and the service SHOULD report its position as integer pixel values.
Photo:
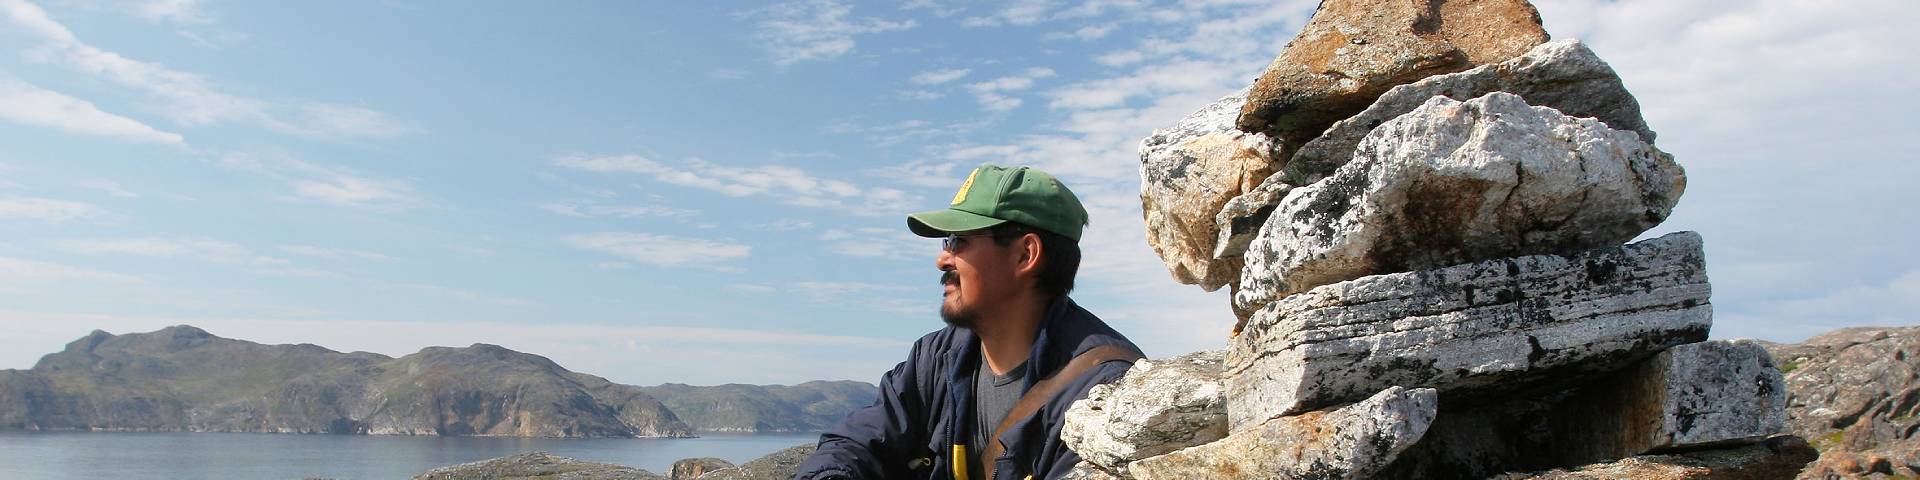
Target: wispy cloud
(664, 250)
(188, 98)
(29, 273)
(790, 185)
(814, 29)
(992, 93)
(47, 209)
(333, 253)
(197, 248)
(936, 77)
(588, 209)
(333, 185)
(27, 104)
(873, 242)
(109, 187)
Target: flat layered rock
(1240, 218)
(1355, 441)
(1563, 75)
(1351, 51)
(1454, 182)
(1491, 325)
(1776, 458)
(1187, 172)
(1689, 396)
(1158, 407)
(537, 465)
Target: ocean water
(127, 456)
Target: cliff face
(184, 379)
(807, 407)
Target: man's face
(978, 276)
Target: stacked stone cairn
(1422, 210)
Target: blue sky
(711, 192)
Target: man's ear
(1031, 255)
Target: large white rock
(1187, 172)
(1160, 406)
(1563, 75)
(1453, 182)
(1497, 324)
(1349, 442)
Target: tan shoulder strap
(1045, 389)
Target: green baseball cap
(994, 195)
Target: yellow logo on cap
(962, 194)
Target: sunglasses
(957, 242)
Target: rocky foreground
(185, 379)
(1851, 391)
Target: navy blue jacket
(919, 426)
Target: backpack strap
(1044, 390)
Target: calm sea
(126, 456)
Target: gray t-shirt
(993, 396)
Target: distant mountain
(184, 379)
(807, 407)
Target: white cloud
(789, 185)
(920, 95)
(196, 248)
(109, 187)
(333, 253)
(1086, 33)
(1016, 12)
(814, 30)
(587, 209)
(47, 209)
(341, 187)
(173, 11)
(873, 242)
(188, 98)
(27, 104)
(936, 77)
(990, 95)
(869, 296)
(663, 250)
(28, 273)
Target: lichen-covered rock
(779, 465)
(1349, 442)
(1240, 218)
(1454, 182)
(1187, 172)
(1158, 407)
(1689, 396)
(1490, 325)
(1564, 75)
(1776, 458)
(693, 468)
(1088, 471)
(1351, 51)
(1693, 397)
(1855, 394)
(537, 465)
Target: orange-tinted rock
(1352, 51)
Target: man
(1015, 354)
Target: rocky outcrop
(1497, 324)
(185, 379)
(1349, 442)
(1855, 394)
(1453, 182)
(1351, 51)
(1159, 407)
(1189, 171)
(537, 465)
(1451, 216)
(779, 465)
(692, 468)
